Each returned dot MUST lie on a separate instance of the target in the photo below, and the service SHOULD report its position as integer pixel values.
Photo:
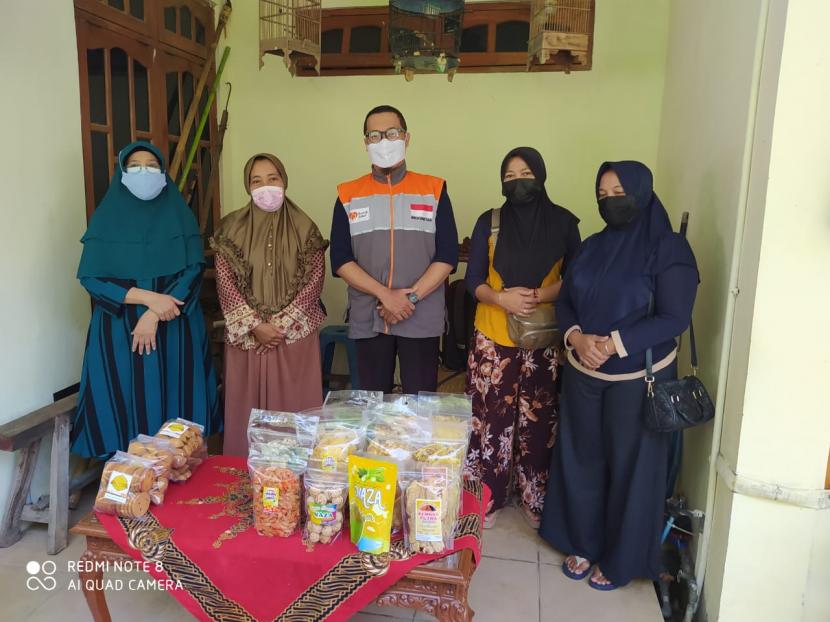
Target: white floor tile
(510, 538)
(504, 590)
(565, 599)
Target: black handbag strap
(649, 357)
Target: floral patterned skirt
(515, 415)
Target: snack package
(163, 453)
(125, 487)
(187, 436)
(450, 414)
(372, 486)
(340, 433)
(277, 490)
(360, 399)
(430, 510)
(276, 434)
(325, 506)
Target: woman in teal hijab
(146, 358)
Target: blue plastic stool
(330, 336)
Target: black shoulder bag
(673, 405)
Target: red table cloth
(202, 543)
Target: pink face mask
(268, 198)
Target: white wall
(785, 428)
(45, 312)
(745, 122)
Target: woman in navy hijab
(607, 481)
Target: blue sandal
(608, 587)
(576, 576)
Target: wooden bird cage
(425, 36)
(560, 33)
(291, 29)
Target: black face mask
(619, 211)
(521, 191)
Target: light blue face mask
(145, 183)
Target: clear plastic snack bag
(126, 483)
(189, 437)
(430, 512)
(163, 453)
(360, 399)
(325, 499)
(277, 489)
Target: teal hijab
(128, 238)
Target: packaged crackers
(188, 437)
(126, 483)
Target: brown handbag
(537, 331)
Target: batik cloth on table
(203, 538)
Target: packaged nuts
(325, 506)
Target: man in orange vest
(394, 242)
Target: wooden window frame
(149, 42)
(490, 14)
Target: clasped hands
(394, 305)
(160, 307)
(593, 350)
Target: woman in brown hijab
(270, 262)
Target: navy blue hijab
(614, 273)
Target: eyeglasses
(393, 133)
(150, 168)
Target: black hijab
(532, 236)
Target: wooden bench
(26, 434)
(439, 589)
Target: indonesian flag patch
(422, 211)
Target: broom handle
(197, 95)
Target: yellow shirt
(491, 320)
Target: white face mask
(387, 153)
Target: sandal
(490, 519)
(576, 576)
(607, 587)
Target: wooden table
(438, 589)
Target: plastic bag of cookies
(187, 436)
(325, 500)
(430, 510)
(163, 453)
(126, 483)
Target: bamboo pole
(224, 16)
(203, 120)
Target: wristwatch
(413, 298)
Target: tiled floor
(519, 580)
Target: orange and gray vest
(393, 226)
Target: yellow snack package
(372, 487)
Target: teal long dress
(153, 245)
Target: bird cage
(560, 32)
(425, 36)
(291, 29)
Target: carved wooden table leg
(92, 581)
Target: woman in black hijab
(513, 389)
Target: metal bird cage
(425, 36)
(291, 29)
(560, 32)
